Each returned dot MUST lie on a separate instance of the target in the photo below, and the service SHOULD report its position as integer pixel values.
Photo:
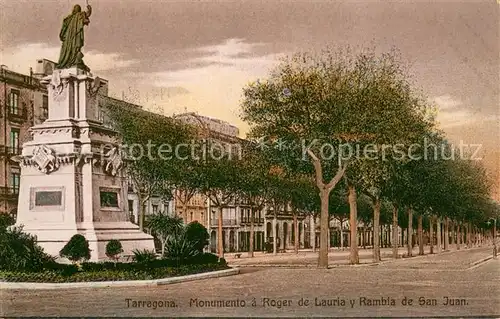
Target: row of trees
(328, 131)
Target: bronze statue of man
(72, 38)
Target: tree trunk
(376, 228)
(353, 225)
(312, 234)
(342, 234)
(467, 236)
(451, 225)
(275, 234)
(252, 214)
(323, 242)
(457, 227)
(296, 231)
(409, 239)
(220, 242)
(163, 242)
(395, 231)
(420, 232)
(142, 210)
(438, 234)
(431, 234)
(446, 234)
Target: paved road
(373, 291)
(310, 258)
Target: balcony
(256, 221)
(17, 114)
(9, 193)
(9, 152)
(14, 151)
(225, 222)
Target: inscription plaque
(48, 198)
(109, 199)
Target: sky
(176, 56)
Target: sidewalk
(308, 258)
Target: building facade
(153, 203)
(24, 103)
(236, 216)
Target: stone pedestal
(72, 177)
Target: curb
(314, 266)
(479, 262)
(128, 283)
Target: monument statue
(72, 38)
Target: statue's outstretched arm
(89, 10)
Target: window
(14, 140)
(100, 114)
(15, 179)
(191, 217)
(14, 102)
(155, 209)
(45, 107)
(109, 199)
(130, 206)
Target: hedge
(69, 274)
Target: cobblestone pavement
(379, 290)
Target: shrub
(144, 256)
(19, 251)
(76, 249)
(198, 235)
(204, 259)
(71, 274)
(222, 261)
(6, 220)
(179, 248)
(163, 226)
(113, 249)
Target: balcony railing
(9, 192)
(14, 150)
(225, 222)
(256, 220)
(17, 114)
(10, 151)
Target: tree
(304, 200)
(114, 249)
(163, 227)
(219, 182)
(154, 146)
(252, 188)
(339, 209)
(317, 103)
